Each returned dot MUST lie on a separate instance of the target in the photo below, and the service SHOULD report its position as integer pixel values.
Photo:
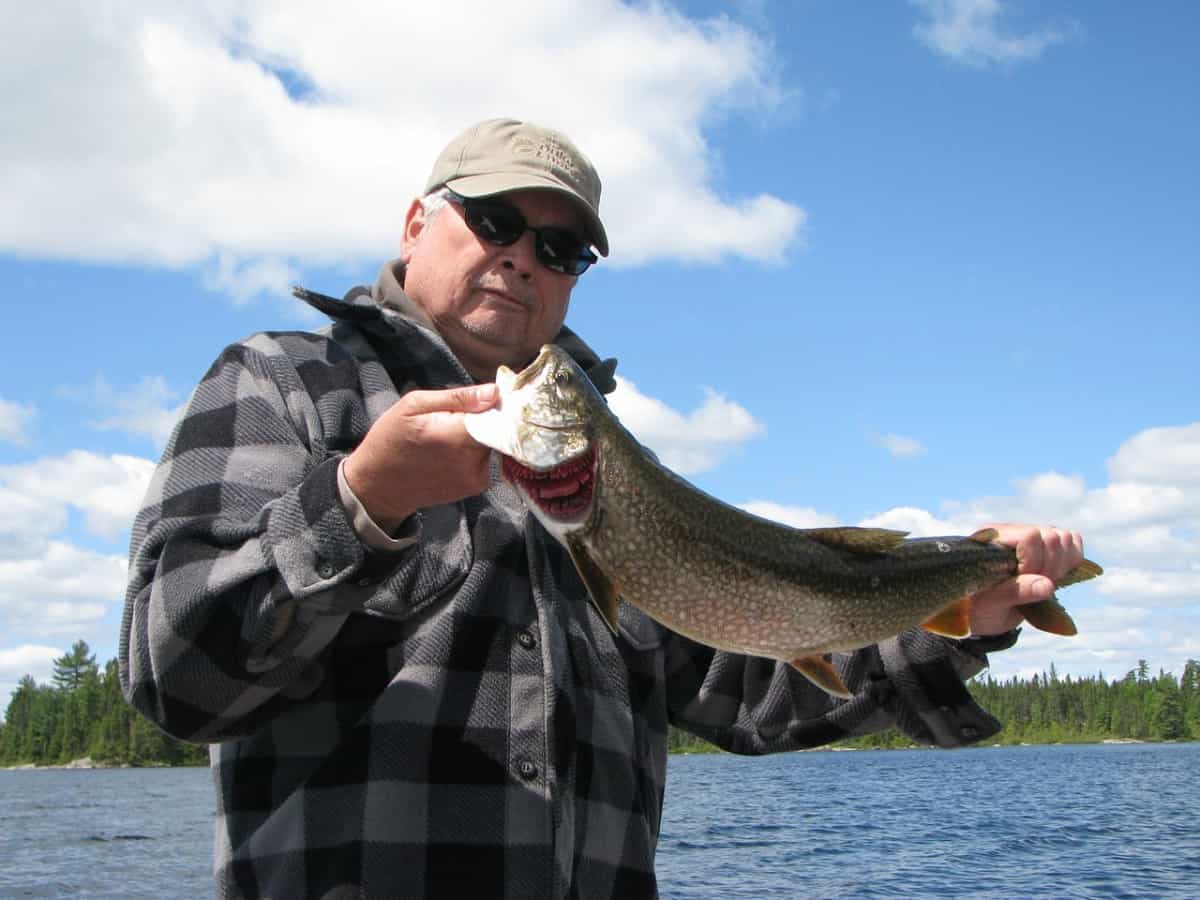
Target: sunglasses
(558, 249)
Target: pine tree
(71, 668)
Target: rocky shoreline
(85, 763)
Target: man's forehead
(543, 205)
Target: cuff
(933, 704)
(368, 531)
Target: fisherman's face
(492, 305)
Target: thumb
(475, 398)
(1032, 588)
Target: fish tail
(1082, 572)
(1049, 615)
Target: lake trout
(638, 532)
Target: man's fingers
(475, 398)
(998, 609)
(1016, 591)
(1042, 550)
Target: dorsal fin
(953, 622)
(857, 540)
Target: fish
(639, 533)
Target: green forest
(81, 713)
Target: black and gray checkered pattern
(453, 719)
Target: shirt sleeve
(243, 562)
(752, 705)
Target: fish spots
(943, 547)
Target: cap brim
(503, 182)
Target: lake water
(1063, 821)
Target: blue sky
(923, 264)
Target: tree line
(1047, 709)
(82, 713)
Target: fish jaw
(561, 497)
(543, 427)
(541, 417)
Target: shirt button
(363, 582)
(526, 640)
(325, 570)
(969, 732)
(527, 770)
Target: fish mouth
(563, 492)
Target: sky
(922, 264)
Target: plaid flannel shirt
(452, 719)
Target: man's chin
(484, 346)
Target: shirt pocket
(433, 567)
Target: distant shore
(88, 763)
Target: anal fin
(953, 622)
(821, 672)
(601, 589)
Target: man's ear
(414, 223)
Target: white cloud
(14, 422)
(35, 660)
(241, 281)
(61, 590)
(106, 489)
(28, 659)
(1110, 640)
(1151, 587)
(165, 133)
(144, 409)
(917, 522)
(1159, 455)
(898, 445)
(687, 443)
(971, 32)
(796, 516)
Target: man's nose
(520, 256)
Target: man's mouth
(505, 297)
(564, 492)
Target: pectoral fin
(1049, 615)
(953, 622)
(821, 672)
(603, 592)
(857, 540)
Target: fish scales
(738, 582)
(638, 532)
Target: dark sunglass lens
(498, 223)
(561, 251)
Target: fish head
(544, 427)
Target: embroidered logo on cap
(548, 150)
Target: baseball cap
(501, 155)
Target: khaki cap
(502, 155)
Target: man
(404, 687)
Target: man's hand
(419, 454)
(1043, 555)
